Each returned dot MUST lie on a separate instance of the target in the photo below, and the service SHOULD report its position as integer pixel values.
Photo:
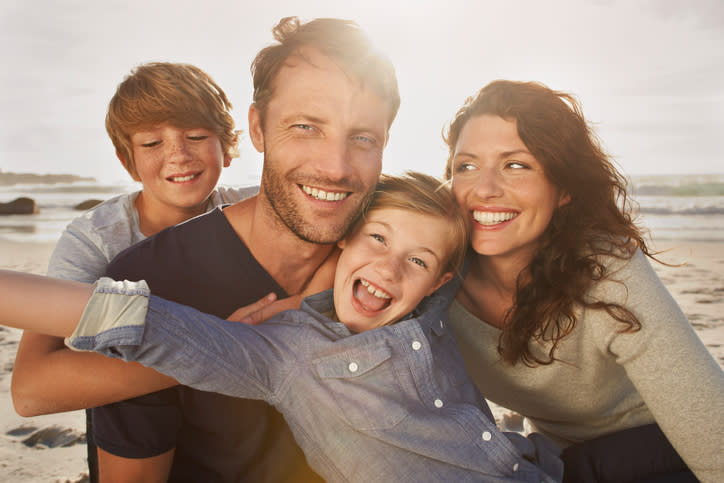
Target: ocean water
(671, 207)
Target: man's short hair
(163, 92)
(340, 40)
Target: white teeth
(376, 292)
(324, 195)
(181, 179)
(493, 218)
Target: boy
(390, 404)
(173, 131)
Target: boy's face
(322, 136)
(178, 167)
(387, 266)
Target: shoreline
(695, 280)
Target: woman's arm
(677, 377)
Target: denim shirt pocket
(364, 385)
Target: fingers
(242, 313)
(268, 311)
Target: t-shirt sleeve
(77, 255)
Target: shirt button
(438, 403)
(442, 324)
(487, 436)
(353, 367)
(416, 345)
(515, 467)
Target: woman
(559, 314)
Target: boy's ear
(445, 278)
(125, 165)
(256, 133)
(227, 161)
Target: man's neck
(288, 259)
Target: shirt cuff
(113, 304)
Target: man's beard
(321, 230)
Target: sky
(648, 73)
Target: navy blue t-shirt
(202, 263)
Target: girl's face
(503, 187)
(388, 265)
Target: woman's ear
(564, 199)
(445, 278)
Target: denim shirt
(389, 404)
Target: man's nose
(334, 160)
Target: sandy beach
(52, 449)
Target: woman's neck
(490, 287)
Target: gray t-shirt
(93, 239)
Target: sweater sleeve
(671, 368)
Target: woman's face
(503, 188)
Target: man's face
(323, 135)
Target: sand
(698, 286)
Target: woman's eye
(463, 167)
(200, 137)
(303, 127)
(377, 237)
(419, 262)
(150, 144)
(516, 165)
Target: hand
(264, 309)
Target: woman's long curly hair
(597, 221)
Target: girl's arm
(53, 306)
(41, 304)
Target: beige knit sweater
(607, 381)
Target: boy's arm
(55, 379)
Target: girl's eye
(151, 144)
(200, 137)
(377, 237)
(419, 262)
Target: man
(324, 101)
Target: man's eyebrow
(300, 116)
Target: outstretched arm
(41, 304)
(52, 306)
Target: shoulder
(625, 272)
(224, 195)
(119, 210)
